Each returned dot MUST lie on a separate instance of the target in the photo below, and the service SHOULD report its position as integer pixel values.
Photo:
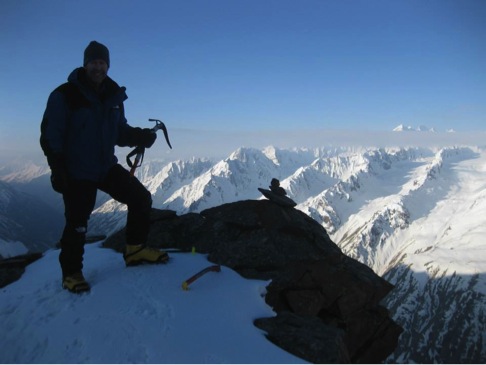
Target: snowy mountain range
(420, 128)
(414, 215)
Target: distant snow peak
(12, 248)
(21, 172)
(272, 153)
(244, 153)
(421, 128)
(402, 128)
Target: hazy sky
(241, 66)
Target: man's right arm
(53, 128)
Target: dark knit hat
(96, 51)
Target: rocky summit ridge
(327, 304)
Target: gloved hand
(143, 137)
(147, 138)
(59, 180)
(59, 176)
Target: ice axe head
(160, 125)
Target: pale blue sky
(231, 66)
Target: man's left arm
(134, 136)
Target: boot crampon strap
(140, 254)
(76, 283)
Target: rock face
(327, 304)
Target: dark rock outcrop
(11, 269)
(327, 304)
(300, 334)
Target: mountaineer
(83, 121)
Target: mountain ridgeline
(415, 216)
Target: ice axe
(186, 283)
(139, 151)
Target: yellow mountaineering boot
(140, 254)
(75, 283)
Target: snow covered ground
(135, 315)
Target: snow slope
(26, 222)
(135, 315)
(12, 249)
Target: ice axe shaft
(186, 283)
(138, 152)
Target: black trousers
(79, 202)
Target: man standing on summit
(83, 121)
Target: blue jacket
(80, 128)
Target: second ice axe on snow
(186, 283)
(139, 152)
